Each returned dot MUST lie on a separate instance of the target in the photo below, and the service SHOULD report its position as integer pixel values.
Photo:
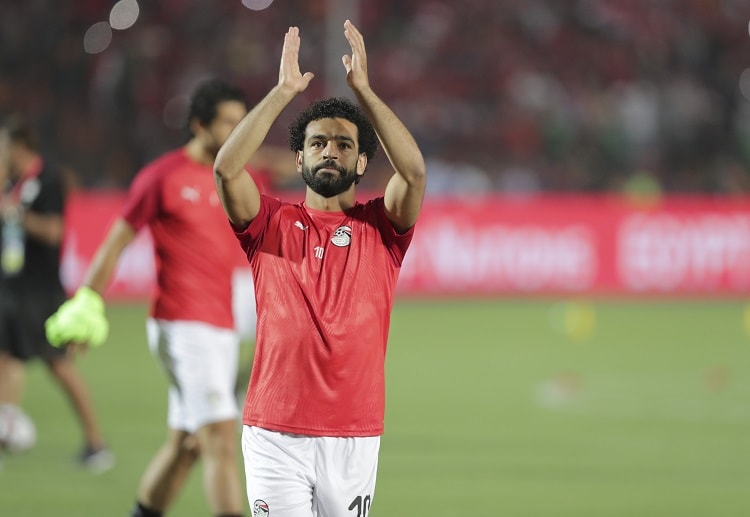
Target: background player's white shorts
(200, 361)
(289, 475)
(243, 303)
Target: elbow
(422, 172)
(220, 173)
(413, 171)
(223, 175)
(223, 169)
(418, 174)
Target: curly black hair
(208, 96)
(335, 107)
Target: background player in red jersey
(325, 272)
(190, 327)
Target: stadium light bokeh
(97, 38)
(257, 5)
(124, 14)
(745, 83)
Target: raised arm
(238, 193)
(405, 190)
(107, 255)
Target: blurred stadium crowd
(505, 95)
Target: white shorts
(290, 475)
(243, 303)
(200, 361)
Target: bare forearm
(238, 193)
(405, 190)
(101, 270)
(105, 260)
(47, 229)
(249, 134)
(398, 143)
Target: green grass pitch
(512, 407)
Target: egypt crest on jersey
(260, 508)
(342, 236)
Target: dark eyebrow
(338, 138)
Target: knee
(191, 446)
(186, 446)
(218, 439)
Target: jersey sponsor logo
(191, 194)
(260, 508)
(301, 226)
(342, 237)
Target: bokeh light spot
(97, 38)
(256, 5)
(124, 14)
(745, 83)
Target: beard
(326, 184)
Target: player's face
(329, 162)
(228, 115)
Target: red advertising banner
(88, 216)
(498, 245)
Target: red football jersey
(324, 285)
(195, 252)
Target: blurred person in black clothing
(31, 212)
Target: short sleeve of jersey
(251, 237)
(142, 204)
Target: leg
(221, 479)
(12, 379)
(201, 364)
(168, 470)
(33, 308)
(13, 351)
(66, 374)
